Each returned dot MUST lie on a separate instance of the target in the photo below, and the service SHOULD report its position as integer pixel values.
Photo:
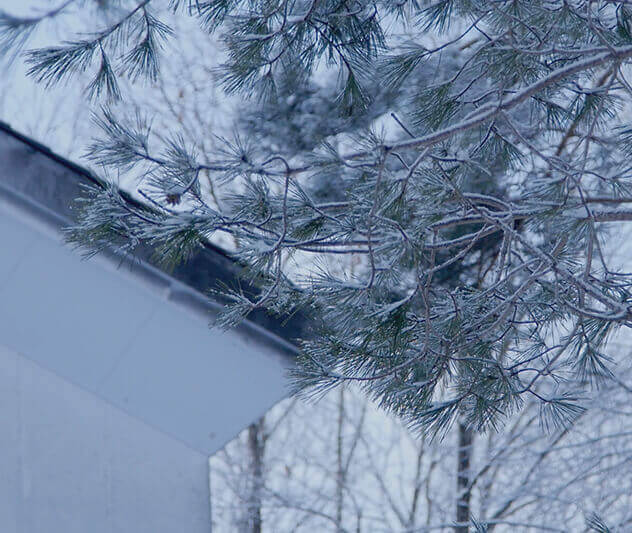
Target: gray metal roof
(50, 183)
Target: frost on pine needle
(435, 183)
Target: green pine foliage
(433, 182)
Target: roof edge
(210, 267)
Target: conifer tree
(470, 155)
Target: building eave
(197, 385)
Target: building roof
(127, 332)
(54, 182)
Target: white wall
(71, 463)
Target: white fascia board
(134, 337)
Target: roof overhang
(125, 331)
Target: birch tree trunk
(256, 449)
(463, 512)
(340, 470)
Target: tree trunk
(256, 448)
(340, 471)
(463, 512)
